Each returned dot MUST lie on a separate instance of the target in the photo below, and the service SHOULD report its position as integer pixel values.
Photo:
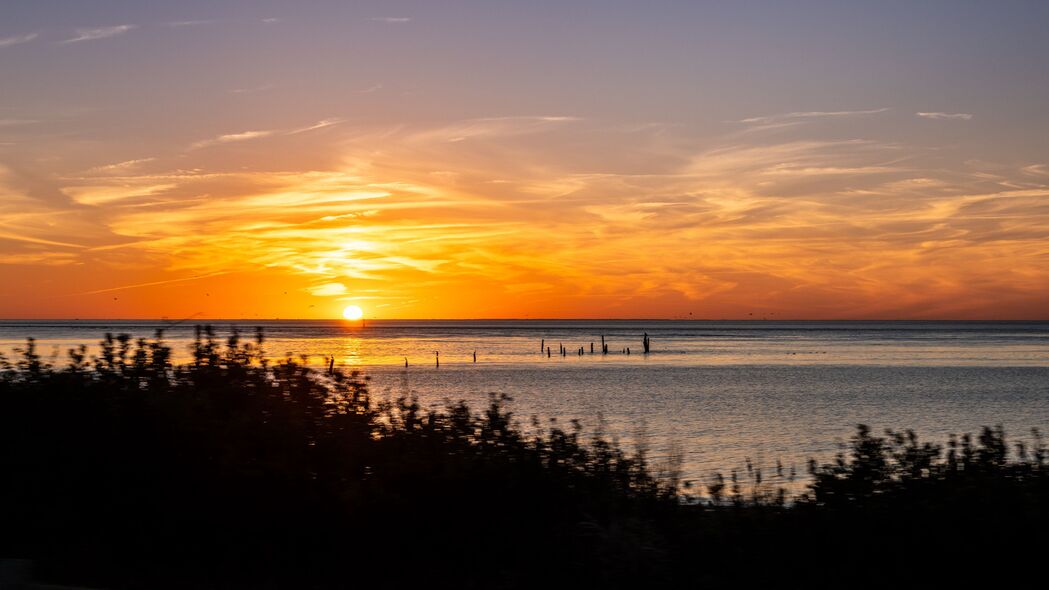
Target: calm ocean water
(720, 392)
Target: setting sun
(352, 312)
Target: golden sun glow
(487, 239)
(352, 312)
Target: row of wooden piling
(646, 344)
(437, 358)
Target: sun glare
(352, 312)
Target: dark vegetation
(125, 471)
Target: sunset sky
(536, 159)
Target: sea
(709, 396)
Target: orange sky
(475, 221)
(416, 195)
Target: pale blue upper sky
(694, 64)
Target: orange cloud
(533, 217)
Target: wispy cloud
(946, 116)
(121, 166)
(233, 137)
(391, 19)
(32, 240)
(16, 39)
(152, 284)
(43, 258)
(98, 33)
(190, 23)
(270, 21)
(808, 115)
(328, 290)
(318, 125)
(259, 134)
(130, 189)
(251, 89)
(370, 89)
(492, 127)
(1036, 169)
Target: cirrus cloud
(98, 33)
(945, 116)
(17, 39)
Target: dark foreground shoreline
(125, 471)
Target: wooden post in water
(331, 365)
(547, 352)
(591, 348)
(405, 362)
(604, 347)
(475, 356)
(646, 343)
(542, 345)
(437, 358)
(628, 351)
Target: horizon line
(511, 319)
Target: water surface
(719, 392)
